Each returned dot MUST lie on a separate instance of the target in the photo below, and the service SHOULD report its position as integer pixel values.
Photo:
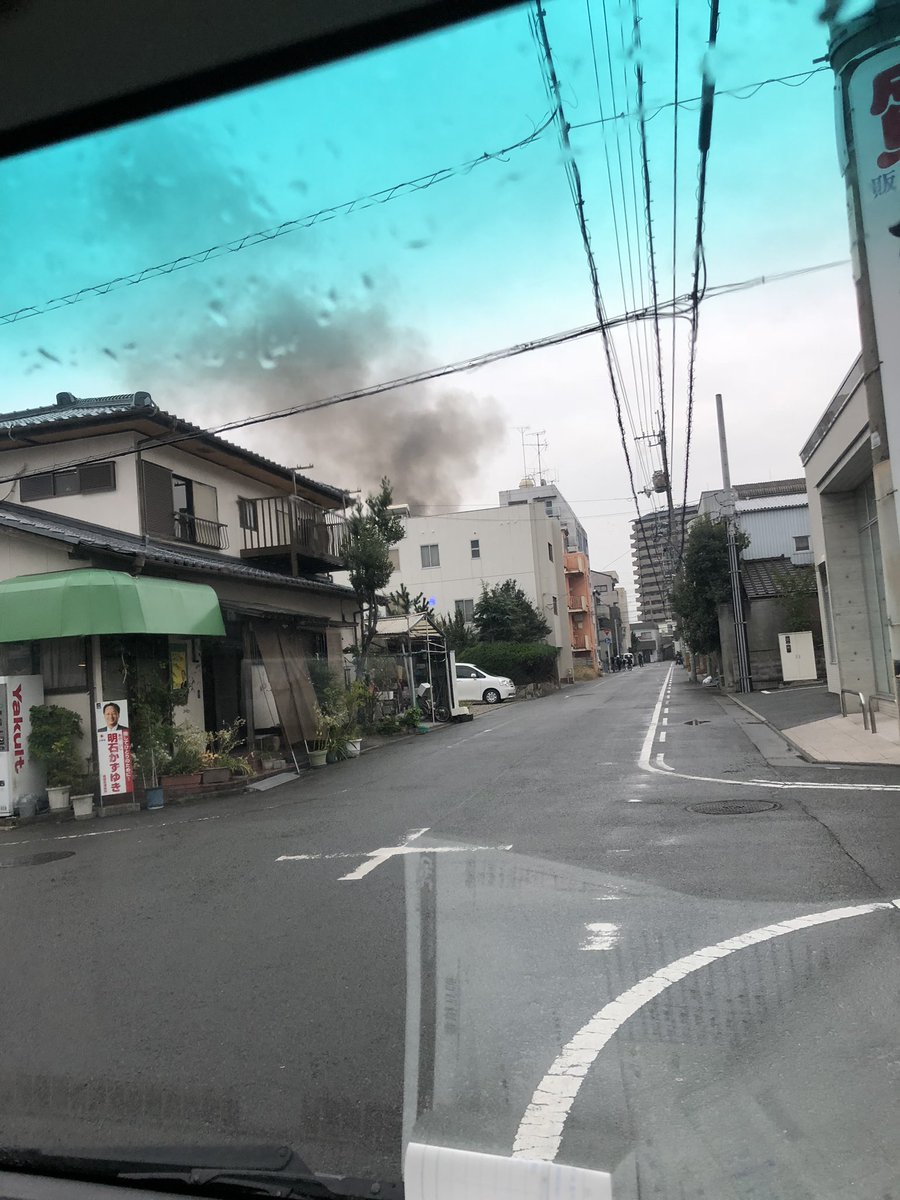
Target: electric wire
(359, 204)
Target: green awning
(78, 603)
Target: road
(515, 935)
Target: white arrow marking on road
(375, 858)
(541, 1128)
(645, 764)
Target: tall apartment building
(654, 556)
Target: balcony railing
(580, 642)
(275, 525)
(577, 604)
(199, 531)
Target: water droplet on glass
(323, 317)
(417, 244)
(217, 313)
(367, 281)
(267, 363)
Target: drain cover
(732, 808)
(36, 860)
(696, 722)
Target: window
(394, 556)
(431, 556)
(801, 542)
(64, 664)
(475, 547)
(465, 672)
(467, 608)
(247, 514)
(181, 508)
(550, 550)
(555, 605)
(92, 477)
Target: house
(116, 486)
(451, 556)
(855, 543)
(774, 516)
(580, 605)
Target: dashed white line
(541, 1129)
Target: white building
(774, 515)
(555, 505)
(449, 558)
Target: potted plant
(83, 803)
(184, 767)
(221, 759)
(151, 730)
(53, 741)
(317, 745)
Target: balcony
(198, 531)
(575, 570)
(288, 529)
(580, 644)
(577, 604)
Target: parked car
(473, 684)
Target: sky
(488, 256)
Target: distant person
(640, 658)
(111, 713)
(618, 662)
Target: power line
(703, 140)
(674, 216)
(651, 252)
(802, 77)
(678, 307)
(409, 187)
(539, 30)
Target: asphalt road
(209, 974)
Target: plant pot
(59, 798)
(317, 758)
(216, 775)
(354, 748)
(83, 806)
(155, 797)
(192, 779)
(27, 806)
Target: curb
(816, 762)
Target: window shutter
(159, 507)
(98, 477)
(36, 487)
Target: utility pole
(737, 601)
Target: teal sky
(486, 259)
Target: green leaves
(372, 529)
(703, 583)
(505, 614)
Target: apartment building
(655, 545)
(449, 558)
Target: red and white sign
(19, 773)
(114, 748)
(873, 96)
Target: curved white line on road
(540, 1131)
(782, 784)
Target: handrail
(865, 707)
(872, 728)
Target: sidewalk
(809, 718)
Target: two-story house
(116, 484)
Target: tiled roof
(759, 576)
(774, 487)
(113, 541)
(69, 410)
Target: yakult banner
(114, 748)
(874, 111)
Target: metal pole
(745, 683)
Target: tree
(797, 597)
(372, 529)
(401, 603)
(457, 633)
(505, 614)
(703, 583)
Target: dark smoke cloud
(274, 349)
(263, 334)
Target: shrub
(53, 741)
(522, 662)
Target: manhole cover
(36, 860)
(732, 808)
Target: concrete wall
(23, 555)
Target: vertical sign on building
(114, 748)
(873, 101)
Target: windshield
(447, 575)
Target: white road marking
(541, 1129)
(665, 720)
(662, 735)
(375, 858)
(645, 764)
(635, 800)
(602, 935)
